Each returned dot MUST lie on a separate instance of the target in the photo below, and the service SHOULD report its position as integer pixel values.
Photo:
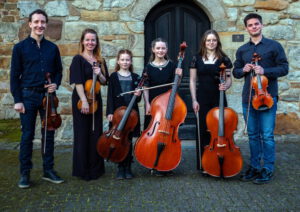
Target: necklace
(160, 66)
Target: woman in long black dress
(123, 80)
(205, 68)
(87, 164)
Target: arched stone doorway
(178, 21)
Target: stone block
(6, 49)
(99, 15)
(279, 32)
(271, 4)
(287, 119)
(5, 62)
(26, 7)
(295, 84)
(8, 18)
(57, 8)
(238, 3)
(70, 49)
(10, 6)
(87, 4)
(4, 74)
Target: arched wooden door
(178, 21)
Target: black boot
(128, 173)
(121, 172)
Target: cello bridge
(164, 132)
(221, 145)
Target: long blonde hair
(97, 49)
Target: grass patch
(10, 130)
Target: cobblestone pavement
(187, 190)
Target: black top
(273, 60)
(81, 70)
(30, 63)
(208, 78)
(114, 102)
(159, 76)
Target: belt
(36, 89)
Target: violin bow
(46, 116)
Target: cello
(114, 145)
(262, 100)
(159, 147)
(222, 158)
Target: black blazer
(114, 102)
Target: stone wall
(120, 24)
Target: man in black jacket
(32, 58)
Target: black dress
(158, 75)
(115, 87)
(87, 164)
(208, 93)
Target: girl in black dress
(160, 70)
(123, 80)
(87, 164)
(205, 68)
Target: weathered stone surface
(279, 32)
(283, 86)
(4, 62)
(11, 6)
(238, 3)
(292, 95)
(70, 49)
(125, 16)
(57, 8)
(121, 4)
(8, 19)
(9, 31)
(4, 87)
(138, 65)
(7, 100)
(72, 10)
(87, 15)
(270, 18)
(232, 14)
(4, 74)
(291, 120)
(271, 4)
(26, 7)
(138, 45)
(67, 129)
(295, 84)
(6, 49)
(109, 50)
(294, 55)
(294, 8)
(52, 32)
(136, 27)
(87, 4)
(73, 30)
(141, 8)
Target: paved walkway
(187, 190)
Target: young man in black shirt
(32, 58)
(260, 121)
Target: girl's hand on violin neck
(110, 117)
(248, 67)
(196, 106)
(178, 71)
(258, 70)
(147, 109)
(137, 92)
(85, 107)
(51, 87)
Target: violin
(52, 119)
(114, 144)
(159, 147)
(91, 89)
(222, 158)
(262, 100)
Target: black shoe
(250, 174)
(265, 177)
(121, 173)
(128, 173)
(161, 173)
(24, 181)
(204, 173)
(52, 177)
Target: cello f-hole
(150, 134)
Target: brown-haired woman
(123, 80)
(205, 68)
(87, 164)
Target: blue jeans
(260, 128)
(32, 101)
